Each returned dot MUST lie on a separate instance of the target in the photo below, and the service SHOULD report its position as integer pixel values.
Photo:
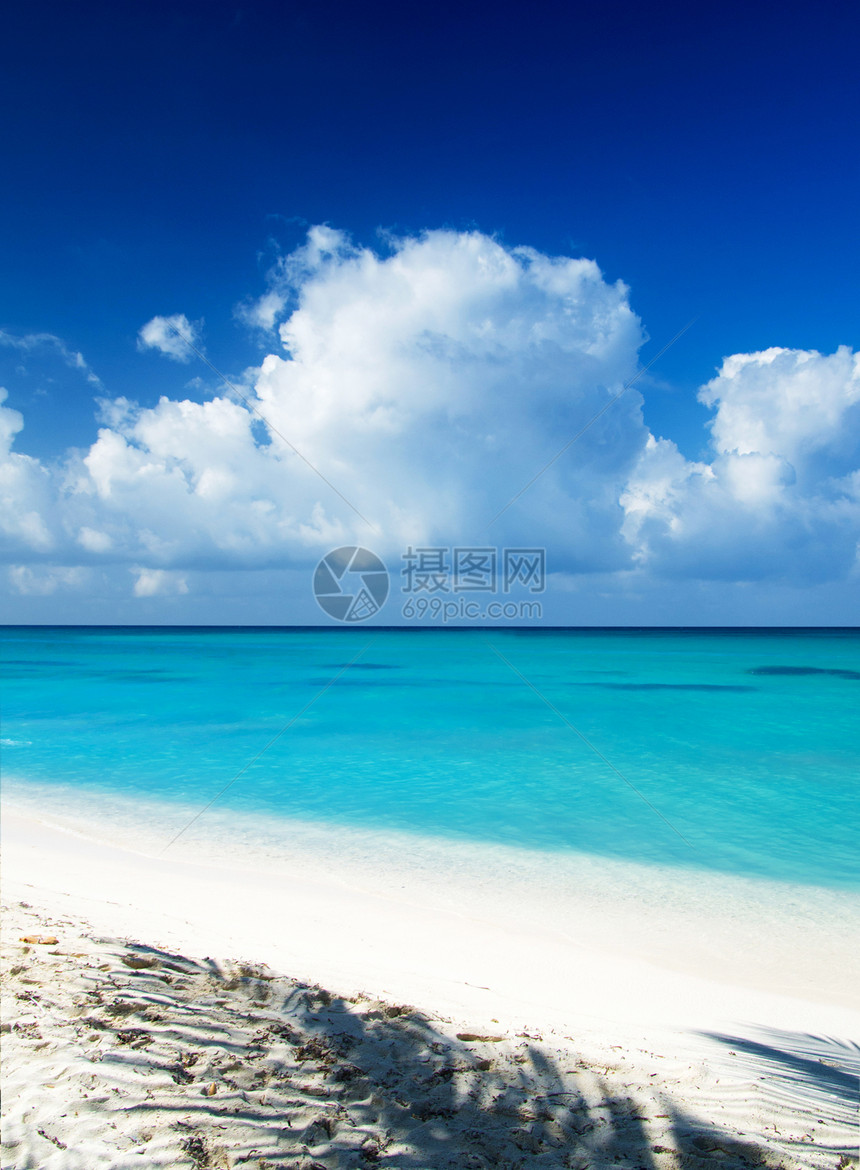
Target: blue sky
(166, 159)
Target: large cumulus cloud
(434, 382)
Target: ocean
(727, 751)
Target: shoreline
(350, 907)
(466, 968)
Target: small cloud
(93, 541)
(151, 582)
(173, 336)
(262, 313)
(117, 413)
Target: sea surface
(730, 751)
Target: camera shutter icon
(351, 584)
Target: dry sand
(152, 1033)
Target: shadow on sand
(242, 1068)
(806, 1078)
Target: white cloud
(28, 342)
(170, 336)
(778, 497)
(429, 384)
(786, 402)
(434, 382)
(150, 582)
(94, 541)
(26, 501)
(262, 313)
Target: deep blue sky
(705, 154)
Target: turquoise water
(729, 750)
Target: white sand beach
(179, 1019)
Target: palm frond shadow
(823, 1065)
(248, 1069)
(812, 1079)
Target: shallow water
(728, 750)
